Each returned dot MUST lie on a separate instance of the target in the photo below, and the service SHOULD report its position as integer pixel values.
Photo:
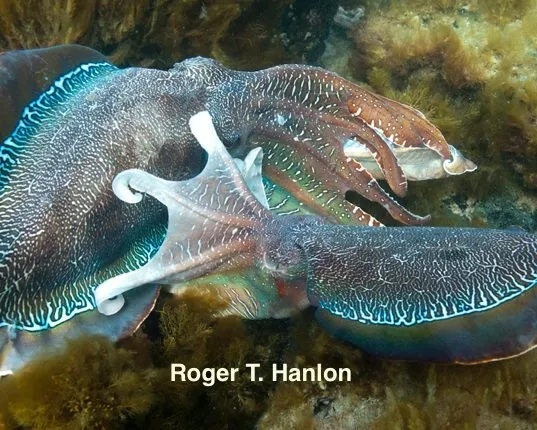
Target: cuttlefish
(422, 293)
(72, 121)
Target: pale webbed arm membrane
(251, 171)
(212, 224)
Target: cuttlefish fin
(457, 295)
(18, 347)
(42, 113)
(213, 219)
(26, 74)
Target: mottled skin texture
(431, 294)
(58, 166)
(26, 74)
(62, 232)
(421, 293)
(73, 224)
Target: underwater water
(469, 66)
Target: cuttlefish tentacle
(320, 200)
(430, 294)
(410, 130)
(404, 130)
(328, 128)
(323, 142)
(383, 155)
(398, 123)
(308, 109)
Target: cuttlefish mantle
(420, 293)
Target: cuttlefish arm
(213, 219)
(319, 130)
(428, 294)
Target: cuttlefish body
(413, 293)
(62, 229)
